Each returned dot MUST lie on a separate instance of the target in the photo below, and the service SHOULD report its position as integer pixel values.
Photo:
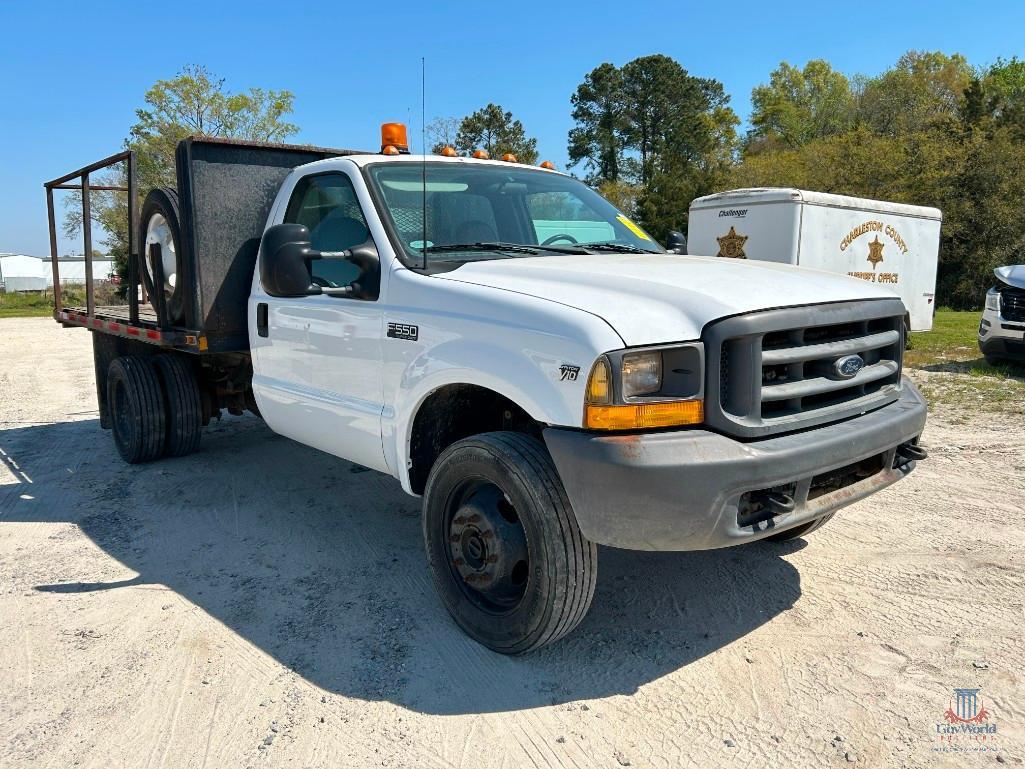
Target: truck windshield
(488, 211)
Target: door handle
(261, 319)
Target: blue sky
(72, 74)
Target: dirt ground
(261, 604)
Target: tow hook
(908, 452)
(776, 502)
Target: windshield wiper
(623, 248)
(515, 248)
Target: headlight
(642, 374)
(635, 389)
(993, 300)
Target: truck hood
(1012, 275)
(655, 298)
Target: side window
(327, 205)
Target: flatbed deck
(115, 319)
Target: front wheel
(503, 546)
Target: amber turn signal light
(644, 415)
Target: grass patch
(39, 304)
(26, 305)
(950, 370)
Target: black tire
(802, 530)
(543, 596)
(183, 404)
(136, 406)
(163, 201)
(994, 361)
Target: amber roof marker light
(548, 164)
(393, 137)
(481, 154)
(509, 157)
(448, 152)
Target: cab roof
(365, 159)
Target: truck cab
(527, 359)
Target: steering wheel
(560, 236)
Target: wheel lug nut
(459, 521)
(492, 559)
(454, 538)
(488, 534)
(458, 561)
(473, 518)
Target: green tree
(495, 130)
(924, 90)
(652, 136)
(599, 137)
(798, 105)
(999, 96)
(193, 102)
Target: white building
(24, 272)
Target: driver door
(334, 342)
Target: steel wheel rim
(487, 547)
(159, 232)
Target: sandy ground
(260, 604)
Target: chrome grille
(1012, 304)
(776, 368)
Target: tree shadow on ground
(320, 564)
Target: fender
(532, 379)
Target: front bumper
(1000, 338)
(683, 490)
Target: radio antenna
(423, 153)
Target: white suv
(1002, 328)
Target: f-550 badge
(403, 331)
(568, 373)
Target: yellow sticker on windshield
(633, 228)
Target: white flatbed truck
(508, 346)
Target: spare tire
(160, 223)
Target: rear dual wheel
(503, 545)
(154, 405)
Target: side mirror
(285, 256)
(676, 243)
(285, 265)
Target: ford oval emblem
(848, 366)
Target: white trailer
(892, 244)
